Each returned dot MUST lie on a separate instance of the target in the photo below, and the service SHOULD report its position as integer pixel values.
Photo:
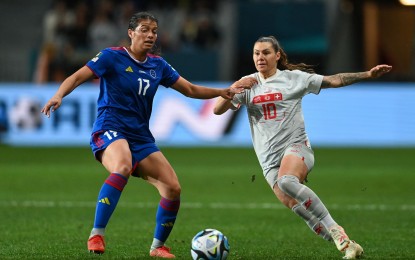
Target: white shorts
(301, 150)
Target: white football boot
(351, 249)
(340, 238)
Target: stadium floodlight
(407, 2)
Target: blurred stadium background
(211, 42)
(336, 35)
(366, 131)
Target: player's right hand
(53, 104)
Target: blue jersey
(127, 89)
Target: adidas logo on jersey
(129, 69)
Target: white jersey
(275, 114)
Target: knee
(124, 169)
(173, 191)
(286, 200)
(176, 190)
(286, 182)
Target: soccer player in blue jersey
(121, 139)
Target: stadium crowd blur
(208, 40)
(74, 31)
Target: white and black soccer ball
(210, 244)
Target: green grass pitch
(47, 204)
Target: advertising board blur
(369, 114)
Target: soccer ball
(210, 244)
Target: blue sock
(108, 198)
(165, 218)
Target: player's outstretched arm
(200, 92)
(345, 79)
(67, 86)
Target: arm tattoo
(343, 79)
(350, 78)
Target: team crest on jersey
(97, 57)
(129, 69)
(153, 73)
(267, 98)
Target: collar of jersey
(135, 58)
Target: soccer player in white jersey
(278, 133)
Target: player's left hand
(242, 84)
(379, 70)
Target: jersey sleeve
(100, 64)
(310, 82)
(313, 83)
(237, 101)
(170, 75)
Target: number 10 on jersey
(269, 110)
